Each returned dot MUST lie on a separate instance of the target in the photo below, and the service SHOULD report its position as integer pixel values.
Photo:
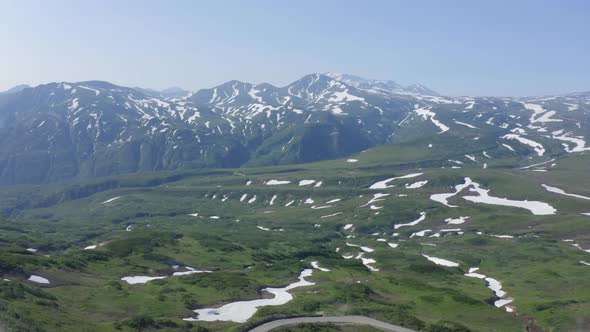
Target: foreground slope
(418, 234)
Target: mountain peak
(381, 87)
(313, 77)
(174, 92)
(168, 93)
(420, 89)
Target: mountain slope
(147, 250)
(62, 131)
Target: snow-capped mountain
(76, 130)
(382, 87)
(169, 93)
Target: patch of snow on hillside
(38, 279)
(561, 192)
(241, 311)
(416, 185)
(413, 223)
(580, 247)
(383, 184)
(421, 233)
(456, 221)
(495, 286)
(440, 261)
(538, 147)
(545, 116)
(321, 207)
(365, 249)
(367, 262)
(580, 143)
(316, 266)
(277, 182)
(306, 182)
(190, 271)
(140, 279)
(508, 147)
(503, 236)
(536, 207)
(376, 198)
(331, 215)
(344, 96)
(96, 92)
(111, 200)
(465, 124)
(426, 114)
(443, 198)
(539, 164)
(253, 94)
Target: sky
(457, 47)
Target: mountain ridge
(87, 129)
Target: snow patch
(426, 114)
(538, 147)
(111, 200)
(241, 311)
(330, 215)
(277, 182)
(416, 185)
(38, 279)
(561, 192)
(466, 125)
(440, 261)
(456, 221)
(413, 223)
(316, 266)
(536, 207)
(383, 184)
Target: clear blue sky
(463, 47)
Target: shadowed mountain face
(61, 131)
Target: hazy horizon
(463, 48)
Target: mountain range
(60, 131)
